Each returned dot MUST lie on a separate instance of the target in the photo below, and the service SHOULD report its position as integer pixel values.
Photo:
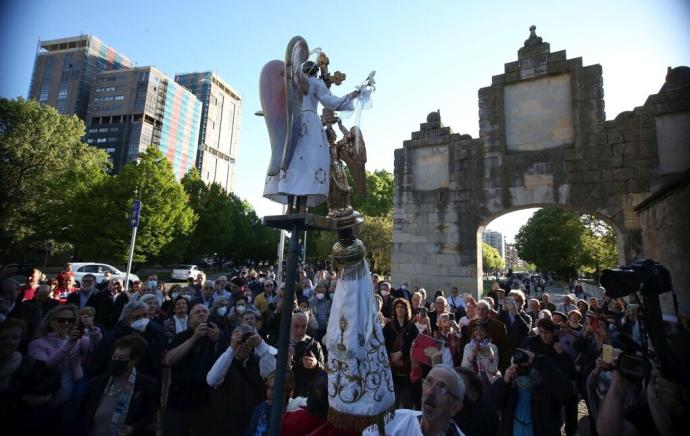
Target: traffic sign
(134, 213)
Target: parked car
(99, 269)
(183, 272)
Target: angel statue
(308, 165)
(299, 170)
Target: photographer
(305, 356)
(530, 396)
(517, 322)
(237, 377)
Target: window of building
(43, 96)
(144, 76)
(114, 129)
(110, 149)
(103, 130)
(119, 97)
(141, 95)
(93, 130)
(89, 141)
(62, 94)
(101, 140)
(112, 139)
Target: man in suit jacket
(42, 301)
(517, 322)
(121, 386)
(88, 295)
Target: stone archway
(620, 239)
(544, 141)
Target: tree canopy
(566, 242)
(491, 258)
(45, 170)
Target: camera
(520, 357)
(300, 349)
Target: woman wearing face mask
(123, 401)
(177, 319)
(60, 344)
(449, 332)
(481, 356)
(320, 306)
(235, 313)
(155, 314)
(422, 321)
(219, 314)
(174, 292)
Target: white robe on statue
(310, 169)
(360, 385)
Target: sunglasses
(65, 320)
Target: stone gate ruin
(543, 141)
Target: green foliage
(491, 258)
(566, 242)
(45, 170)
(377, 209)
(228, 228)
(377, 235)
(165, 214)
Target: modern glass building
(65, 69)
(133, 109)
(220, 126)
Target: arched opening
(499, 231)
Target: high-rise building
(65, 69)
(495, 239)
(130, 110)
(220, 126)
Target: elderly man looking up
(305, 356)
(442, 394)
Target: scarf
(122, 404)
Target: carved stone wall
(543, 141)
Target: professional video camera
(650, 279)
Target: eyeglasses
(65, 320)
(268, 286)
(441, 388)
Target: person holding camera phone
(192, 354)
(517, 322)
(305, 355)
(237, 378)
(530, 395)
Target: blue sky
(428, 54)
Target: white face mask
(187, 297)
(420, 327)
(140, 324)
(320, 296)
(385, 293)
(241, 308)
(175, 295)
(222, 310)
(153, 284)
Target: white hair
(458, 385)
(131, 307)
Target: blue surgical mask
(153, 284)
(222, 310)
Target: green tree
(566, 242)
(165, 212)
(377, 235)
(491, 258)
(45, 170)
(227, 228)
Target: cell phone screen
(607, 353)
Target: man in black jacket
(305, 355)
(530, 396)
(106, 393)
(191, 356)
(89, 295)
(518, 323)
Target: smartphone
(451, 316)
(607, 353)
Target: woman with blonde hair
(61, 345)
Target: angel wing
(296, 54)
(354, 155)
(273, 104)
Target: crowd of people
(200, 358)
